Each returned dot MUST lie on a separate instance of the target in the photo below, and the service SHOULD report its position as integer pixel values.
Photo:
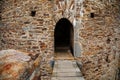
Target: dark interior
(63, 35)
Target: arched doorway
(63, 36)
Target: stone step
(67, 78)
(66, 70)
(67, 74)
(63, 66)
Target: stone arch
(68, 9)
(63, 35)
(65, 9)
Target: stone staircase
(66, 70)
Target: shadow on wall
(63, 34)
(1, 3)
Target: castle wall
(27, 26)
(100, 39)
(96, 32)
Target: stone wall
(27, 26)
(100, 39)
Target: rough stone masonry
(28, 25)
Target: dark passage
(63, 35)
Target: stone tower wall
(96, 31)
(100, 39)
(27, 26)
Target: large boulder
(16, 65)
